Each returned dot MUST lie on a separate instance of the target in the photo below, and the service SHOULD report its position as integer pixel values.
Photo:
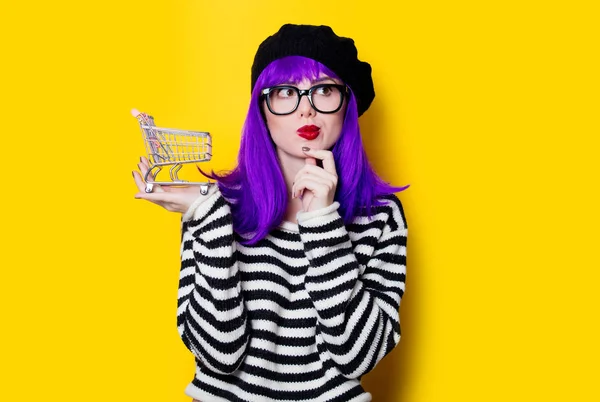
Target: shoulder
(386, 215)
(392, 210)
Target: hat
(319, 43)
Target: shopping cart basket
(171, 147)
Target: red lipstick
(309, 132)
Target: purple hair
(256, 188)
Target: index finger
(311, 161)
(324, 155)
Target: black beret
(319, 43)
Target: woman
(293, 266)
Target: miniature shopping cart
(171, 147)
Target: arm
(211, 317)
(356, 292)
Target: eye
(325, 90)
(285, 93)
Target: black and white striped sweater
(299, 316)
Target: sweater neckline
(290, 226)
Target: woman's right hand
(174, 199)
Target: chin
(317, 143)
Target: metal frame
(172, 147)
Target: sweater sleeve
(211, 317)
(356, 290)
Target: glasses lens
(283, 99)
(326, 98)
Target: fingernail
(133, 174)
(305, 148)
(141, 159)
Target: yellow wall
(488, 109)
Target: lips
(309, 132)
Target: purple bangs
(256, 189)
(291, 70)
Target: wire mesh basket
(172, 147)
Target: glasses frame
(344, 91)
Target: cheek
(273, 125)
(336, 127)
(272, 122)
(277, 129)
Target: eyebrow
(314, 82)
(323, 79)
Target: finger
(328, 183)
(316, 174)
(158, 198)
(316, 171)
(145, 168)
(325, 156)
(144, 161)
(150, 177)
(311, 161)
(317, 188)
(139, 182)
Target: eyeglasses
(324, 98)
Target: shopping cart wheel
(149, 187)
(204, 189)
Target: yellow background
(488, 109)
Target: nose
(305, 108)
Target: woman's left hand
(320, 183)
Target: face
(305, 126)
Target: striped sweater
(299, 316)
